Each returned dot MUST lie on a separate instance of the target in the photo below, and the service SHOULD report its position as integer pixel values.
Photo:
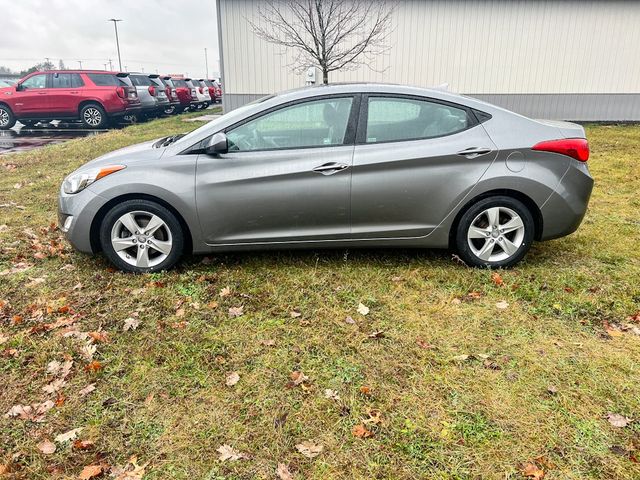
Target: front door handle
(474, 152)
(330, 168)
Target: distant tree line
(38, 67)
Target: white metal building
(572, 60)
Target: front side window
(310, 124)
(392, 119)
(37, 81)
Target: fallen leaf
(331, 394)
(531, 470)
(376, 334)
(349, 320)
(232, 379)
(180, 312)
(34, 412)
(502, 304)
(268, 343)
(130, 324)
(297, 377)
(47, 447)
(295, 314)
(617, 420)
(229, 453)
(552, 389)
(363, 309)
(460, 358)
(361, 431)
(365, 390)
(53, 367)
(309, 449)
(374, 416)
(87, 351)
(90, 471)
(225, 292)
(54, 386)
(131, 471)
(424, 345)
(283, 472)
(82, 444)
(87, 390)
(93, 366)
(99, 336)
(236, 311)
(68, 436)
(497, 279)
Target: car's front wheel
(7, 120)
(495, 232)
(141, 236)
(93, 116)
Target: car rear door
(65, 93)
(286, 177)
(414, 159)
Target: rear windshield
(208, 83)
(141, 81)
(180, 84)
(109, 80)
(158, 82)
(168, 82)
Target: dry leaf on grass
(130, 324)
(82, 444)
(68, 436)
(131, 471)
(365, 390)
(295, 314)
(331, 394)
(349, 320)
(90, 471)
(93, 366)
(497, 279)
(531, 470)
(54, 386)
(88, 351)
(617, 420)
(297, 378)
(87, 390)
(283, 472)
(236, 311)
(34, 412)
(225, 292)
(47, 447)
(374, 416)
(228, 453)
(460, 358)
(232, 379)
(309, 449)
(361, 431)
(502, 304)
(377, 334)
(363, 309)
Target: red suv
(93, 97)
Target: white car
(201, 101)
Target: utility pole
(110, 66)
(80, 62)
(105, 66)
(115, 26)
(206, 64)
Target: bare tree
(332, 34)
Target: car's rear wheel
(93, 116)
(495, 232)
(141, 236)
(7, 120)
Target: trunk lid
(566, 129)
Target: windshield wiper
(165, 142)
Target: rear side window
(393, 119)
(108, 80)
(66, 80)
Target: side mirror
(19, 87)
(217, 144)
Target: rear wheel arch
(100, 215)
(525, 199)
(84, 103)
(6, 105)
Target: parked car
(6, 83)
(148, 95)
(93, 97)
(212, 90)
(205, 91)
(183, 90)
(218, 90)
(198, 101)
(423, 168)
(170, 89)
(160, 91)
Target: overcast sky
(165, 35)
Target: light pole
(111, 67)
(115, 26)
(206, 64)
(80, 62)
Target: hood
(127, 155)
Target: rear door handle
(473, 152)
(330, 168)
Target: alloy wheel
(141, 239)
(4, 117)
(496, 234)
(92, 116)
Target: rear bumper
(129, 110)
(564, 210)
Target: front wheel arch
(99, 217)
(525, 199)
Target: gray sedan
(336, 166)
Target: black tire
(474, 214)
(170, 222)
(93, 116)
(7, 119)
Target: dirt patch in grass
(448, 384)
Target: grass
(541, 377)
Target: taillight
(169, 94)
(577, 148)
(152, 91)
(201, 90)
(193, 92)
(121, 93)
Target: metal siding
(503, 49)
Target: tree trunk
(325, 76)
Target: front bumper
(564, 210)
(75, 216)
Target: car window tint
(310, 124)
(107, 80)
(179, 83)
(37, 81)
(66, 80)
(393, 119)
(141, 81)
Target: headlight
(76, 182)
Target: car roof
(115, 72)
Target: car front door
(32, 96)
(286, 177)
(413, 158)
(64, 95)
